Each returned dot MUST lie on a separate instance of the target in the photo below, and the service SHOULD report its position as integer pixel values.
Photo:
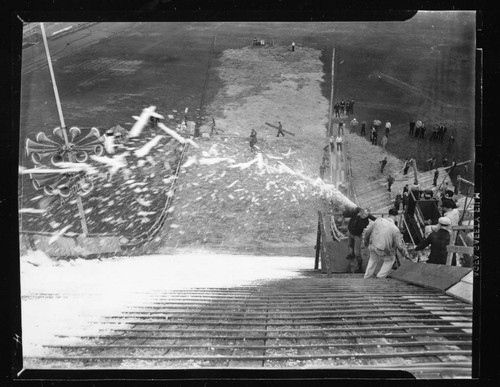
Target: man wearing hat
(383, 239)
(438, 239)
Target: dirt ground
(272, 203)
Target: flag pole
(63, 127)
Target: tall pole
(330, 124)
(63, 127)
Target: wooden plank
(462, 291)
(466, 227)
(460, 249)
(429, 275)
(469, 278)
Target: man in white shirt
(383, 239)
(387, 128)
(339, 143)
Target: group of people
(337, 140)
(417, 130)
(382, 237)
(253, 135)
(344, 107)
(374, 132)
(384, 240)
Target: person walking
(390, 182)
(332, 143)
(359, 220)
(293, 46)
(383, 240)
(363, 128)
(407, 166)
(438, 239)
(338, 140)
(435, 179)
(280, 130)
(383, 164)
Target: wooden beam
(460, 249)
(465, 227)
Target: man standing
(451, 141)
(383, 164)
(439, 238)
(253, 140)
(436, 175)
(339, 143)
(332, 143)
(322, 169)
(293, 46)
(360, 218)
(432, 163)
(280, 131)
(363, 128)
(342, 106)
(390, 182)
(374, 136)
(422, 131)
(383, 239)
(387, 128)
(412, 127)
(214, 128)
(336, 107)
(354, 123)
(340, 129)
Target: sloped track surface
(308, 322)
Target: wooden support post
(318, 243)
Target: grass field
(422, 69)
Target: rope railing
(157, 226)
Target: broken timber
(277, 127)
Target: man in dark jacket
(438, 239)
(360, 218)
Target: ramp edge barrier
(455, 281)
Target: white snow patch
(148, 146)
(58, 234)
(32, 211)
